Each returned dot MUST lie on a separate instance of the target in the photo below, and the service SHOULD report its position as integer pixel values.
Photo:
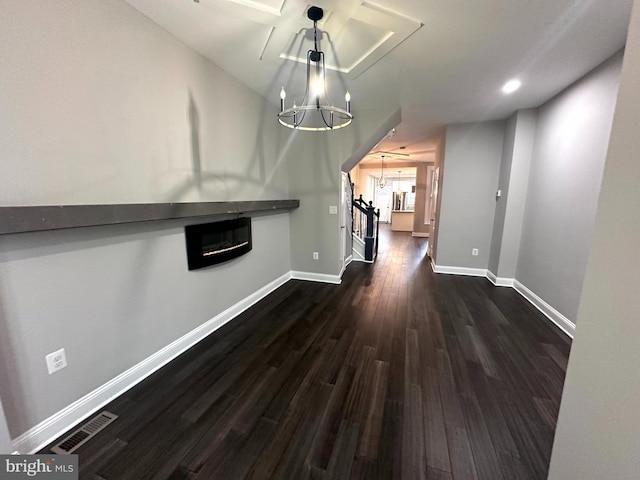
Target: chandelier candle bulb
(283, 95)
(347, 98)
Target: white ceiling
(441, 61)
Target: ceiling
(441, 61)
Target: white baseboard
(566, 325)
(347, 261)
(500, 281)
(420, 234)
(362, 260)
(316, 277)
(51, 428)
(472, 272)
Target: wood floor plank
(462, 463)
(437, 450)
(413, 452)
(389, 456)
(331, 420)
(372, 425)
(292, 463)
(484, 454)
(344, 451)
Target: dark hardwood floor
(398, 373)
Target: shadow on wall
(224, 185)
(218, 184)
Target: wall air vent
(83, 434)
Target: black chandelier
(382, 180)
(315, 102)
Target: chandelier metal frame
(315, 95)
(382, 181)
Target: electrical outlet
(56, 361)
(474, 252)
(315, 255)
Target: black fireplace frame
(194, 237)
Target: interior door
(382, 201)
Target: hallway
(395, 373)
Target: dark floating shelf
(56, 217)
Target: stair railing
(366, 225)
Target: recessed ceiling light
(511, 86)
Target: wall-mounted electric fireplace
(212, 243)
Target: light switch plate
(333, 210)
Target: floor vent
(82, 435)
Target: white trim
(472, 272)
(358, 253)
(316, 277)
(500, 281)
(566, 325)
(420, 234)
(346, 263)
(37, 437)
(357, 257)
(362, 260)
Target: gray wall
(103, 106)
(439, 169)
(566, 170)
(315, 178)
(315, 162)
(526, 125)
(111, 296)
(100, 105)
(5, 439)
(471, 167)
(503, 184)
(422, 183)
(514, 179)
(598, 433)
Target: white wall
(569, 151)
(100, 105)
(598, 433)
(470, 179)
